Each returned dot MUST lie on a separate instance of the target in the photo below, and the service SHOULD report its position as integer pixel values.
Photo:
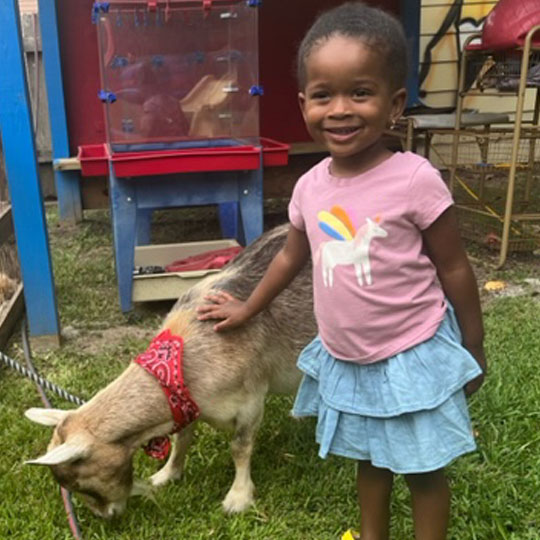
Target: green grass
(495, 490)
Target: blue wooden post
(250, 197)
(23, 180)
(68, 188)
(410, 17)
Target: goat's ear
(76, 448)
(46, 417)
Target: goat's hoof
(163, 476)
(238, 501)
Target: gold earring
(392, 124)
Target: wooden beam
(67, 164)
(11, 315)
(6, 225)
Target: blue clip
(254, 3)
(106, 96)
(119, 61)
(199, 57)
(157, 61)
(256, 90)
(98, 7)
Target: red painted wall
(280, 33)
(282, 25)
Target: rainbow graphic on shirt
(336, 223)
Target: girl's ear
(399, 100)
(302, 103)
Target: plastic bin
(170, 285)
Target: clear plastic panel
(183, 74)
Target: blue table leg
(251, 203)
(229, 221)
(68, 191)
(144, 226)
(122, 195)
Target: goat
(228, 375)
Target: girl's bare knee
(427, 481)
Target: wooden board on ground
(10, 313)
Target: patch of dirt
(101, 340)
(529, 287)
(519, 274)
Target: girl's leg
(374, 489)
(431, 504)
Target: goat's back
(264, 350)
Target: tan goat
(228, 375)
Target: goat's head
(100, 472)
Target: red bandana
(163, 360)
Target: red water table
(180, 87)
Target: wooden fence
(38, 94)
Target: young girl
(400, 328)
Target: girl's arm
(283, 268)
(444, 245)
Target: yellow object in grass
(350, 535)
(495, 286)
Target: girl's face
(348, 102)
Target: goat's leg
(241, 494)
(174, 467)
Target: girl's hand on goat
(226, 307)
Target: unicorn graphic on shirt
(349, 247)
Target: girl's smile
(342, 134)
(347, 103)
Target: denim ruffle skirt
(407, 413)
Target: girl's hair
(375, 27)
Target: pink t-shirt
(375, 290)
